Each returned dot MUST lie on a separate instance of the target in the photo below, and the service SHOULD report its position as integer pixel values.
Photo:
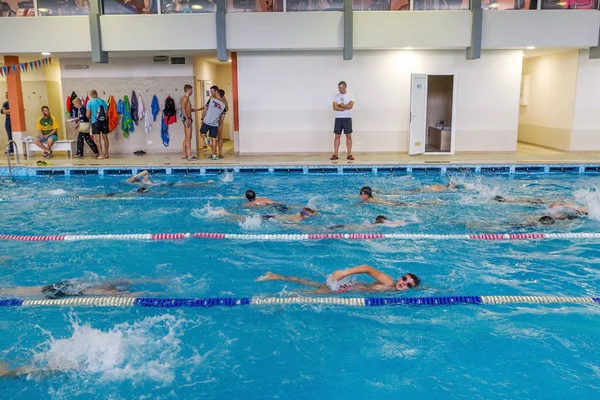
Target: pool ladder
(16, 150)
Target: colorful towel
(155, 107)
(127, 125)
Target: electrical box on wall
(177, 60)
(160, 59)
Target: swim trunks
(60, 290)
(344, 285)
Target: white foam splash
(57, 192)
(207, 212)
(226, 177)
(138, 351)
(250, 223)
(591, 199)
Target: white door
(418, 114)
(230, 113)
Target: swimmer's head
(546, 220)
(380, 219)
(142, 190)
(307, 212)
(365, 193)
(250, 195)
(453, 184)
(499, 199)
(408, 281)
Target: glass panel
(569, 4)
(129, 6)
(63, 7)
(381, 5)
(16, 8)
(442, 4)
(254, 6)
(188, 6)
(315, 5)
(509, 5)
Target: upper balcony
(60, 26)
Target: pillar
(15, 100)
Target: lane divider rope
(301, 237)
(153, 302)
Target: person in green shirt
(48, 127)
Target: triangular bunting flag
(49, 60)
(25, 65)
(46, 62)
(22, 67)
(4, 70)
(39, 64)
(14, 68)
(1, 71)
(31, 65)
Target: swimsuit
(60, 290)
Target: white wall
(548, 118)
(585, 135)
(285, 99)
(119, 78)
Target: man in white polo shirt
(343, 103)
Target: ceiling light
(45, 53)
(197, 7)
(530, 47)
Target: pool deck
(526, 154)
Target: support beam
(474, 51)
(16, 104)
(348, 30)
(595, 51)
(98, 56)
(222, 53)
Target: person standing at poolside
(343, 103)
(187, 110)
(6, 111)
(221, 122)
(213, 90)
(82, 125)
(48, 127)
(97, 112)
(210, 121)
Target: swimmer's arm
(136, 176)
(379, 276)
(571, 206)
(397, 223)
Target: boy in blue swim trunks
(339, 281)
(48, 127)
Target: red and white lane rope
(300, 237)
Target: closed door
(418, 114)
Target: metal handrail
(16, 151)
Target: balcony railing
(43, 8)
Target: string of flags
(25, 66)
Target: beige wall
(586, 121)
(547, 120)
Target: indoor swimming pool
(301, 351)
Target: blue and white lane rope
(153, 302)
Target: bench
(59, 145)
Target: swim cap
(546, 220)
(250, 195)
(499, 199)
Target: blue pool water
(300, 352)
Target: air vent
(177, 60)
(76, 66)
(160, 59)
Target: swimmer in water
(142, 191)
(379, 220)
(502, 199)
(144, 178)
(254, 201)
(340, 282)
(453, 185)
(579, 210)
(304, 214)
(72, 288)
(366, 196)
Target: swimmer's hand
(338, 275)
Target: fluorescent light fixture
(492, 6)
(43, 10)
(561, 3)
(46, 53)
(197, 7)
(229, 60)
(408, 48)
(530, 47)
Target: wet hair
(221, 92)
(309, 210)
(415, 278)
(214, 87)
(546, 220)
(380, 219)
(142, 190)
(499, 199)
(342, 83)
(250, 195)
(186, 87)
(367, 190)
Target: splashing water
(138, 351)
(57, 192)
(591, 199)
(250, 223)
(226, 177)
(207, 212)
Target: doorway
(432, 114)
